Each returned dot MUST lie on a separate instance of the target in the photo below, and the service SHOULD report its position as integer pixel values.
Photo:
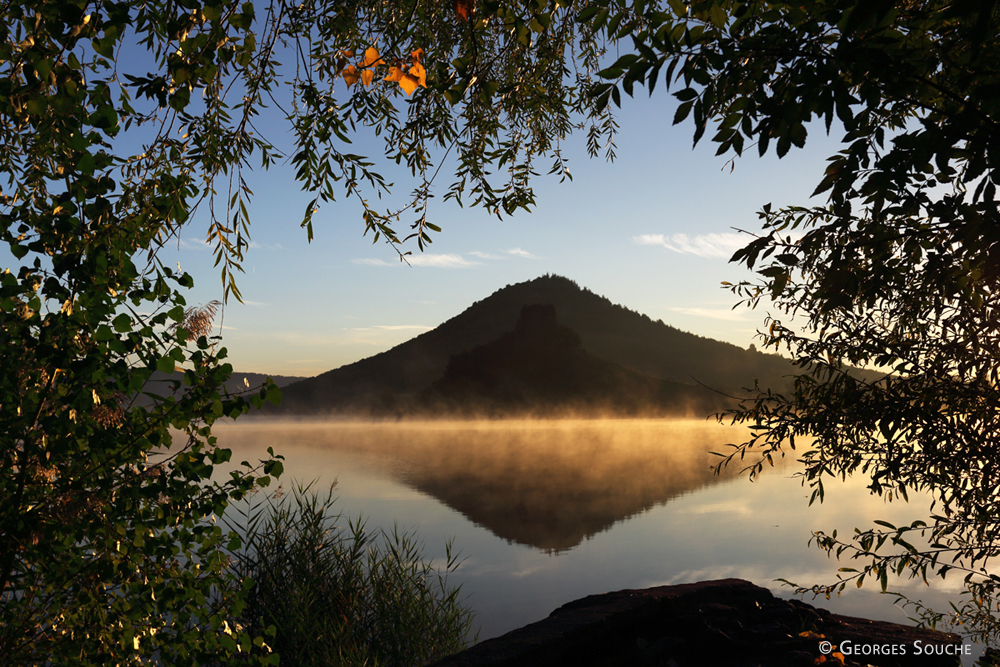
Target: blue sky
(652, 231)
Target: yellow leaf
(372, 58)
(351, 75)
(367, 76)
(409, 83)
(416, 55)
(395, 74)
(420, 74)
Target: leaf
(367, 76)
(419, 73)
(465, 8)
(409, 83)
(122, 323)
(351, 75)
(686, 94)
(682, 111)
(395, 75)
(372, 58)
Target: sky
(652, 231)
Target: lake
(549, 511)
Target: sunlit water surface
(545, 512)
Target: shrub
(333, 593)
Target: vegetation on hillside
(610, 333)
(541, 369)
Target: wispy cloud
(437, 261)
(441, 261)
(187, 244)
(518, 252)
(369, 261)
(484, 255)
(390, 327)
(714, 313)
(266, 246)
(703, 245)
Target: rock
(730, 622)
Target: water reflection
(583, 507)
(546, 484)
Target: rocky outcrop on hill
(727, 622)
(541, 368)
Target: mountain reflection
(547, 484)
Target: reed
(337, 594)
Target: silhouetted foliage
(899, 270)
(117, 120)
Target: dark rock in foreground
(728, 622)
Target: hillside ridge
(607, 331)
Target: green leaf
(122, 323)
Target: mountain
(392, 381)
(541, 367)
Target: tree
(118, 121)
(899, 270)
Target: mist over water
(549, 511)
(548, 484)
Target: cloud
(517, 252)
(437, 261)
(704, 245)
(368, 261)
(514, 252)
(713, 313)
(185, 244)
(390, 327)
(441, 261)
(266, 246)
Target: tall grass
(338, 595)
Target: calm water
(546, 512)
